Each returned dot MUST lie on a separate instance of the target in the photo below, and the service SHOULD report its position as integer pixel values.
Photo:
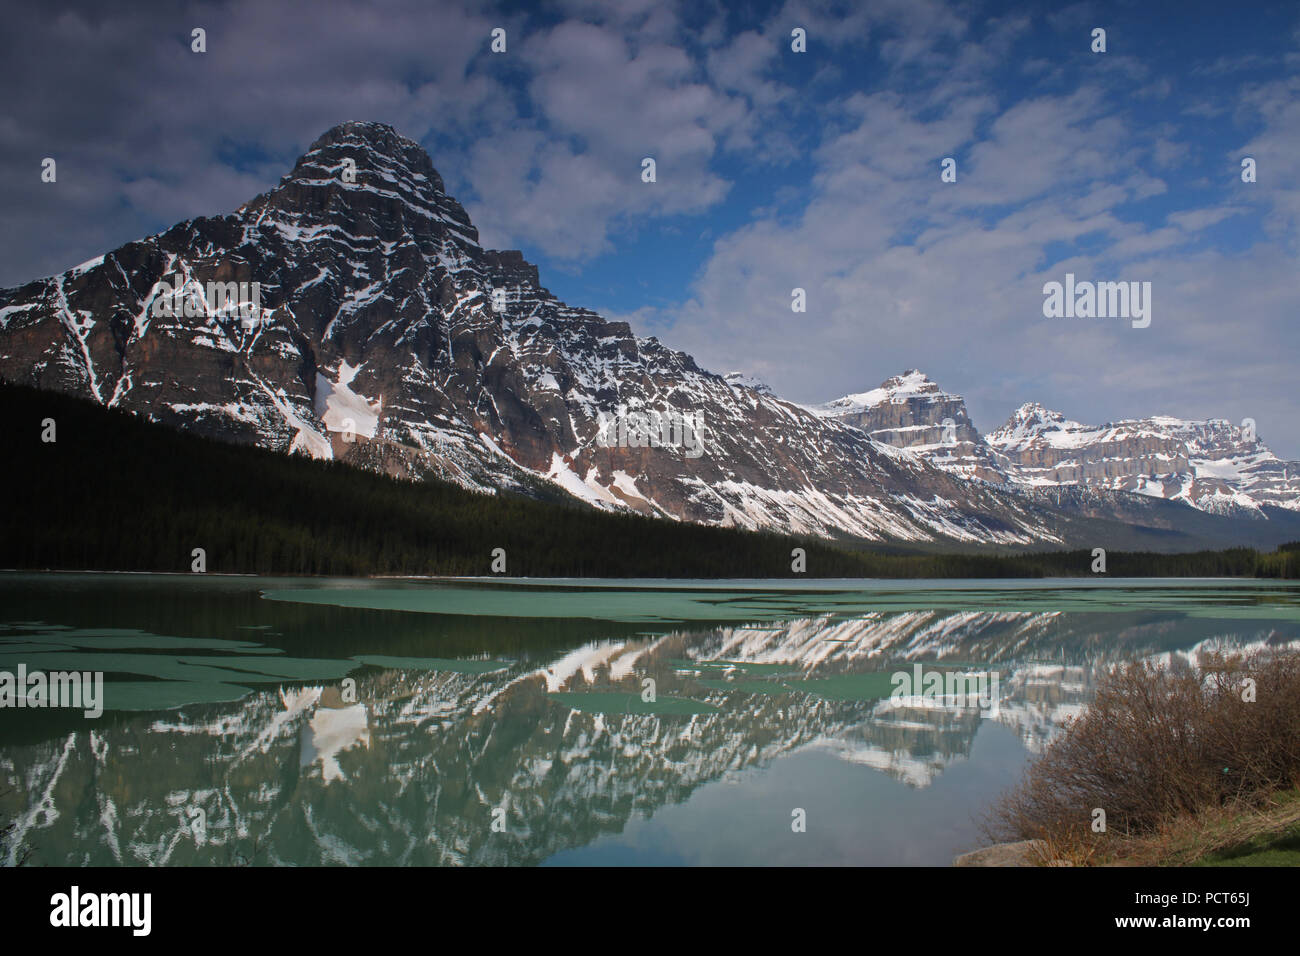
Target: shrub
(1160, 743)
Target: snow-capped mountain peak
(1212, 465)
(912, 384)
(1031, 423)
(390, 338)
(745, 380)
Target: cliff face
(1211, 465)
(366, 322)
(910, 411)
(1045, 448)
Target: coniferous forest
(112, 492)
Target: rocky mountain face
(1212, 465)
(910, 411)
(351, 313)
(741, 380)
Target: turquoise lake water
(273, 721)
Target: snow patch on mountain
(343, 410)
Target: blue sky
(776, 170)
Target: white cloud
(962, 297)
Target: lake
(276, 721)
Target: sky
(818, 170)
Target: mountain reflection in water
(432, 728)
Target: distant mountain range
(1213, 465)
(351, 313)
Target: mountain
(1213, 466)
(742, 380)
(910, 411)
(116, 492)
(351, 313)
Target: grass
(1282, 851)
(1266, 834)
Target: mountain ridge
(379, 332)
(369, 272)
(1211, 465)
